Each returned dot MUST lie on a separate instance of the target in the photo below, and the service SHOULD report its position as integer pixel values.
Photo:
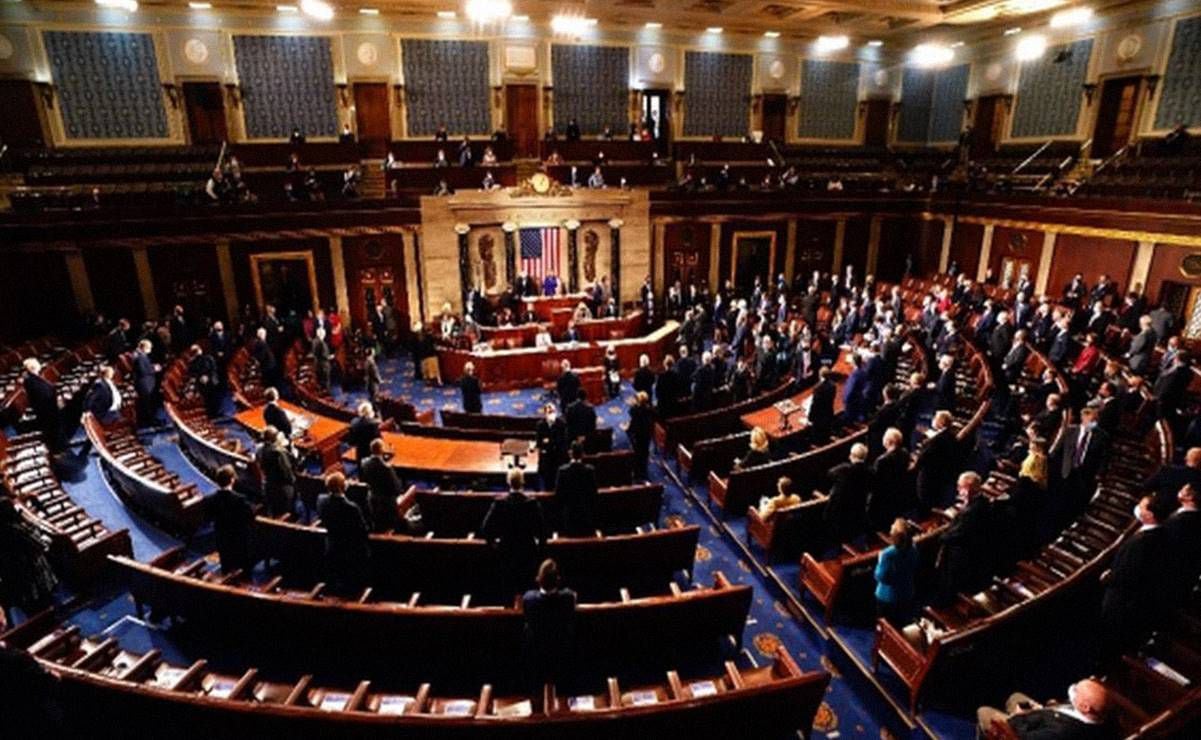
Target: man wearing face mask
(551, 436)
(1137, 582)
(1083, 716)
(963, 555)
(1082, 449)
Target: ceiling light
(1031, 47)
(317, 9)
(569, 25)
(653, 25)
(714, 29)
(1071, 17)
(287, 8)
(772, 34)
(826, 44)
(368, 11)
(1013, 31)
(875, 43)
(129, 6)
(489, 11)
(200, 6)
(520, 19)
(446, 15)
(931, 55)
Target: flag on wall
(540, 251)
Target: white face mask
(1072, 695)
(551, 417)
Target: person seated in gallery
(489, 182)
(442, 188)
(441, 134)
(1084, 715)
(296, 138)
(551, 135)
(573, 130)
(785, 497)
(440, 160)
(554, 159)
(596, 180)
(466, 153)
(543, 337)
(489, 157)
(572, 334)
(347, 136)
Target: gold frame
(738, 235)
(261, 257)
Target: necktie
(1081, 449)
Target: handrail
(1032, 157)
(1112, 158)
(775, 148)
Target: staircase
(373, 184)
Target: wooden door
(875, 124)
(656, 107)
(20, 123)
(1115, 116)
(205, 104)
(775, 117)
(986, 127)
(521, 119)
(372, 117)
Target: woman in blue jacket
(896, 571)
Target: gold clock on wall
(540, 183)
(1190, 265)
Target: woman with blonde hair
(759, 453)
(642, 420)
(1029, 495)
(895, 574)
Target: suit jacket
(1061, 348)
(936, 464)
(1170, 387)
(568, 387)
(1000, 341)
(854, 395)
(965, 547)
(891, 490)
(889, 415)
(469, 386)
(575, 498)
(362, 432)
(346, 544)
(846, 510)
(143, 374)
(385, 487)
(275, 466)
(99, 399)
(1094, 455)
(1139, 353)
(42, 397)
(1168, 481)
(703, 383)
(275, 416)
(821, 409)
(1139, 576)
(1183, 528)
(667, 393)
(581, 420)
(1014, 362)
(515, 525)
(262, 354)
(233, 521)
(944, 390)
(644, 380)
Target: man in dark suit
(233, 522)
(963, 557)
(821, 406)
(1082, 449)
(274, 414)
(1083, 717)
(892, 485)
(1183, 528)
(469, 387)
(1162, 322)
(103, 399)
(1170, 478)
(1171, 386)
(704, 381)
(117, 342)
(347, 551)
(668, 390)
(1136, 582)
(145, 382)
(551, 438)
(364, 429)
(1109, 408)
(1063, 347)
(944, 387)
(846, 509)
(1138, 354)
(549, 612)
(644, 377)
(575, 495)
(581, 418)
(1001, 339)
(219, 348)
(854, 400)
(42, 397)
(573, 130)
(279, 477)
(1015, 358)
(568, 385)
(937, 462)
(385, 488)
(322, 361)
(264, 355)
(516, 530)
(887, 417)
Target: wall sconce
(343, 93)
(398, 91)
(794, 103)
(756, 103)
(1090, 89)
(46, 89)
(172, 93)
(1152, 83)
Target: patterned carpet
(852, 707)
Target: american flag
(540, 251)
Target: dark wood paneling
(205, 106)
(814, 246)
(902, 241)
(875, 122)
(188, 275)
(20, 123)
(373, 121)
(1165, 265)
(966, 242)
(1092, 256)
(521, 118)
(114, 283)
(729, 228)
(368, 260)
(929, 247)
(1015, 244)
(854, 246)
(38, 306)
(775, 117)
(686, 252)
(240, 253)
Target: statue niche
(487, 246)
(591, 245)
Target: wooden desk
(449, 458)
(769, 419)
(321, 438)
(591, 330)
(543, 306)
(523, 367)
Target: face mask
(1072, 694)
(551, 418)
(1136, 512)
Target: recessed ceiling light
(875, 43)
(569, 25)
(1031, 47)
(489, 11)
(931, 55)
(129, 6)
(520, 19)
(1071, 17)
(200, 6)
(957, 44)
(1013, 31)
(772, 34)
(287, 8)
(446, 15)
(714, 29)
(653, 25)
(369, 11)
(317, 9)
(826, 44)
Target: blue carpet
(848, 711)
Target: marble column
(463, 230)
(81, 285)
(573, 255)
(510, 230)
(141, 263)
(615, 259)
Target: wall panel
(592, 85)
(114, 283)
(1180, 96)
(287, 82)
(966, 243)
(1015, 244)
(446, 84)
(1092, 256)
(829, 99)
(1049, 95)
(717, 93)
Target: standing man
(145, 382)
(43, 399)
(575, 495)
(469, 387)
